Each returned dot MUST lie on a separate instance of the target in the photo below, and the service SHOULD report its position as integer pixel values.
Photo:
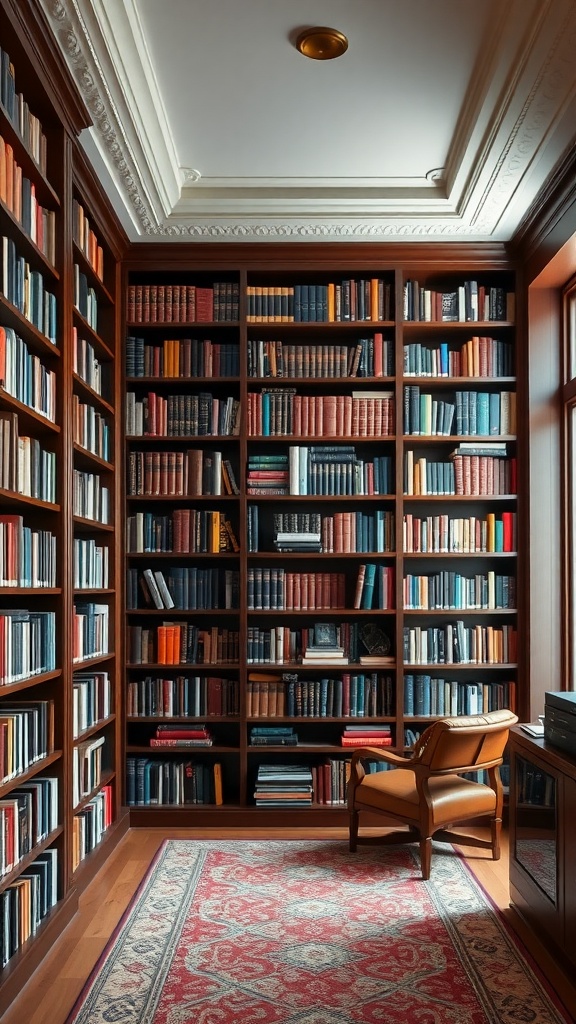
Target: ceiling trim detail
(514, 120)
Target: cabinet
(44, 407)
(359, 557)
(543, 839)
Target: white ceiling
(442, 120)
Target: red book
(366, 741)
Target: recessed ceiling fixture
(322, 43)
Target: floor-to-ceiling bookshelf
(343, 356)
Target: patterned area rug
(306, 933)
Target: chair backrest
(469, 742)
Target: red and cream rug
(277, 932)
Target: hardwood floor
(51, 993)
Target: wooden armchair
(426, 791)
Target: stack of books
(298, 541)
(283, 785)
(367, 734)
(273, 736)
(178, 734)
(323, 647)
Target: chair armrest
(357, 771)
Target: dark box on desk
(560, 720)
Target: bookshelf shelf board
(208, 381)
(297, 666)
(79, 591)
(319, 326)
(86, 391)
(460, 611)
(26, 247)
(308, 748)
(459, 554)
(295, 556)
(28, 417)
(200, 750)
(96, 727)
(38, 768)
(179, 612)
(88, 663)
(456, 325)
(105, 780)
(322, 498)
(87, 268)
(459, 666)
(89, 525)
(30, 591)
(456, 439)
(454, 382)
(183, 438)
(84, 328)
(347, 612)
(186, 498)
(87, 458)
(28, 859)
(459, 497)
(38, 342)
(187, 719)
(197, 325)
(179, 667)
(183, 556)
(26, 684)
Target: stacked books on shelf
(323, 647)
(182, 734)
(366, 734)
(273, 736)
(283, 785)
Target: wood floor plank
(62, 975)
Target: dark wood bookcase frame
(440, 267)
(46, 85)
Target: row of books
(90, 825)
(375, 587)
(25, 376)
(87, 365)
(182, 303)
(90, 497)
(25, 466)
(16, 107)
(90, 630)
(182, 696)
(455, 643)
(348, 300)
(276, 588)
(426, 695)
(318, 470)
(173, 782)
(178, 473)
(534, 786)
(449, 589)
(182, 643)
(477, 357)
(181, 357)
(467, 413)
(87, 767)
(91, 429)
(27, 555)
(86, 238)
(341, 532)
(367, 357)
(91, 700)
(27, 901)
(28, 814)
(26, 735)
(349, 695)
(183, 588)
(471, 301)
(27, 644)
(443, 534)
(184, 531)
(85, 298)
(201, 415)
(18, 195)
(91, 564)
(276, 413)
(465, 474)
(280, 644)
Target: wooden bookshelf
(44, 170)
(325, 449)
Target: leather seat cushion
(394, 792)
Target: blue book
(494, 413)
(444, 358)
(483, 413)
(368, 589)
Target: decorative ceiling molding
(509, 116)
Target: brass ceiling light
(322, 43)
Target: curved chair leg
(426, 856)
(353, 827)
(495, 829)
